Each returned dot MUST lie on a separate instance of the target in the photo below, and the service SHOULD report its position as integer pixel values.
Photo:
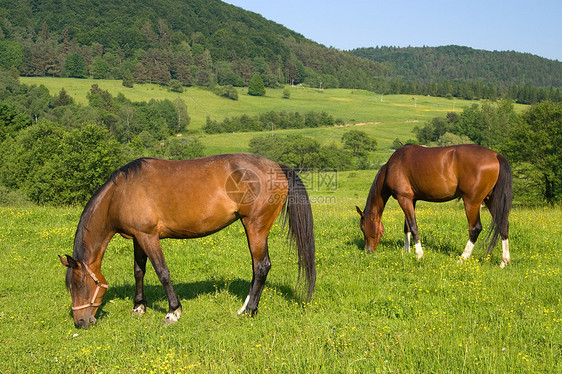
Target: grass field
(381, 313)
(386, 117)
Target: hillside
(205, 43)
(433, 64)
(196, 42)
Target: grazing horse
(150, 199)
(471, 172)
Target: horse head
(372, 228)
(86, 289)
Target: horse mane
(376, 187)
(125, 171)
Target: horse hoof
(173, 317)
(139, 310)
(248, 312)
(503, 264)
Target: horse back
(193, 198)
(442, 173)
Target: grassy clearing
(353, 106)
(384, 312)
(385, 117)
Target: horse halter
(98, 286)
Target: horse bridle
(99, 285)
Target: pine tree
(256, 87)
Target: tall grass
(383, 312)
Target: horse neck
(94, 229)
(378, 196)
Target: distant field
(352, 106)
(386, 117)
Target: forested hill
(433, 64)
(198, 42)
(209, 42)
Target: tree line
(270, 121)
(530, 141)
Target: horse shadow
(448, 248)
(191, 290)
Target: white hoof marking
(419, 250)
(467, 250)
(173, 317)
(407, 238)
(506, 258)
(139, 310)
(241, 310)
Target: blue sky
(523, 26)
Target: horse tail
(500, 203)
(298, 213)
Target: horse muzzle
(84, 323)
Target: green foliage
(11, 54)
(256, 87)
(63, 99)
(175, 86)
(128, 79)
(467, 73)
(11, 121)
(269, 121)
(432, 131)
(57, 166)
(75, 66)
(535, 143)
(228, 92)
(100, 68)
(205, 43)
(65, 162)
(182, 149)
(359, 142)
(488, 125)
(300, 152)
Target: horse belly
(176, 216)
(440, 188)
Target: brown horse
(471, 172)
(150, 199)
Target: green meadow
(383, 312)
(386, 117)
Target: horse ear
(359, 211)
(68, 261)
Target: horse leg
(151, 246)
(139, 307)
(506, 257)
(407, 233)
(474, 227)
(408, 207)
(407, 236)
(257, 241)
